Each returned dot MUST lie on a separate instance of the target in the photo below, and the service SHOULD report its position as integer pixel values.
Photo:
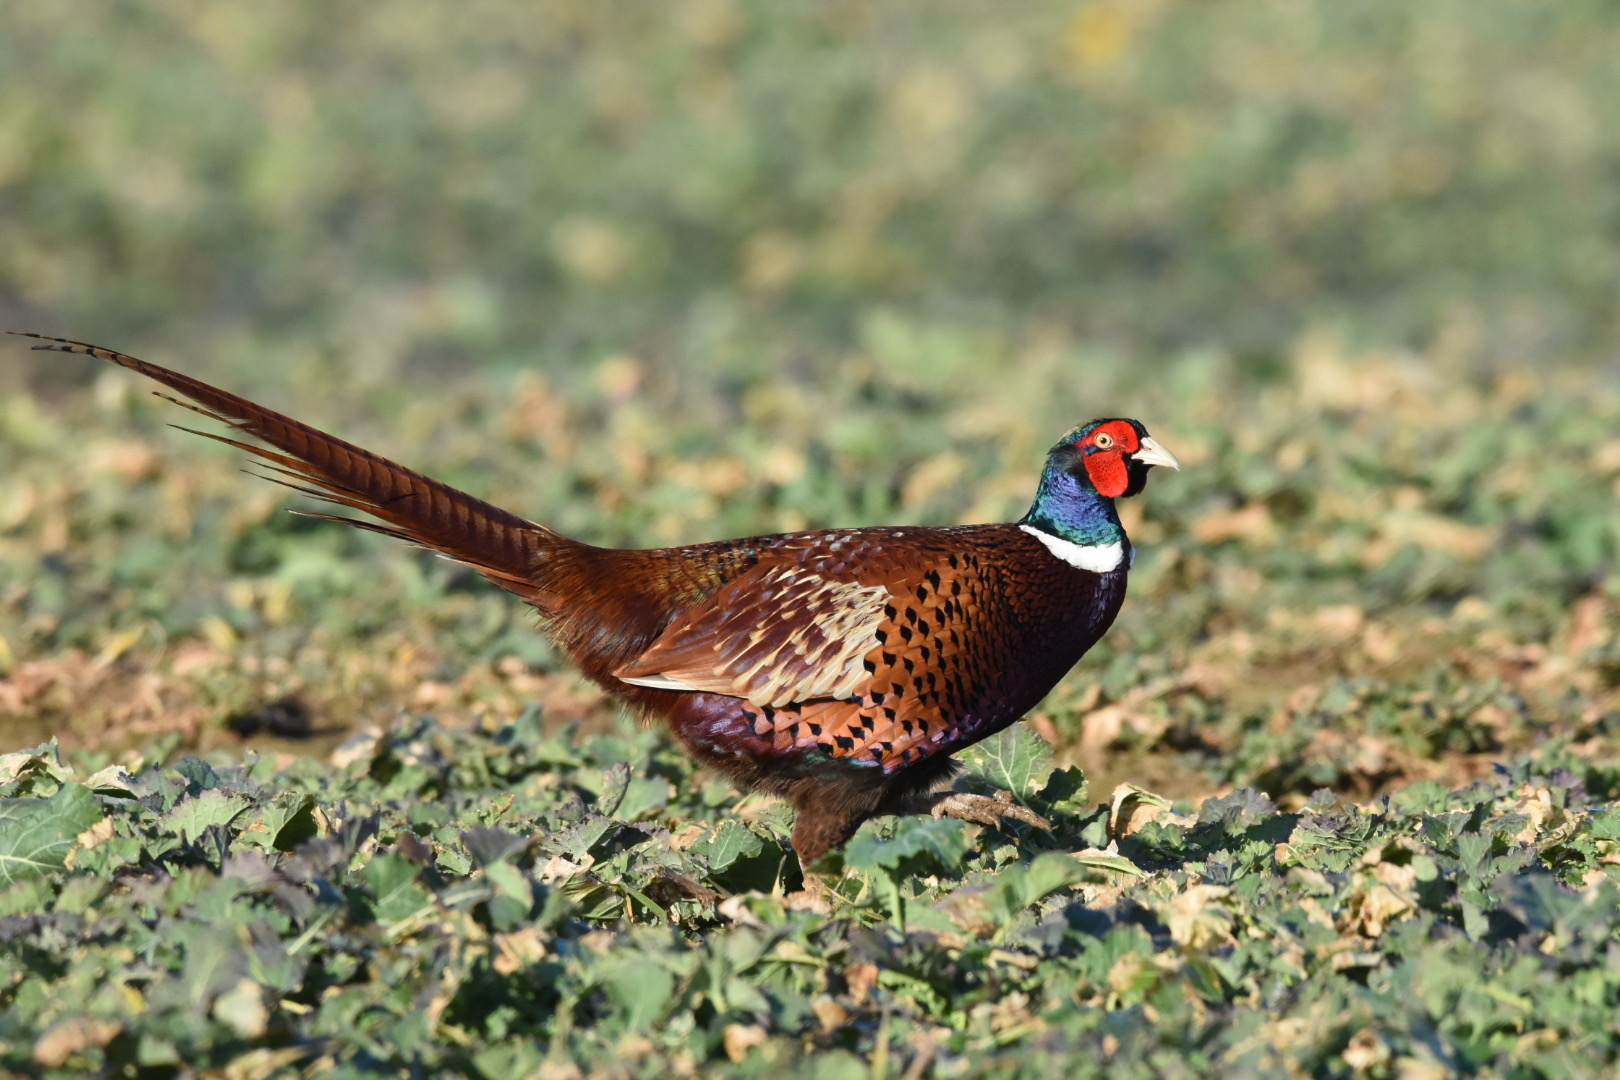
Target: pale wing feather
(773, 636)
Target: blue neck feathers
(1069, 507)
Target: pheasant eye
(1103, 440)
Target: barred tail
(506, 549)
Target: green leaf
(942, 840)
(36, 835)
(454, 862)
(214, 962)
(510, 881)
(640, 989)
(839, 1065)
(154, 1050)
(731, 841)
(1105, 860)
(1065, 789)
(490, 846)
(578, 839)
(199, 772)
(1050, 872)
(742, 994)
(28, 896)
(242, 1009)
(498, 1061)
(1018, 887)
(643, 796)
(1015, 759)
(20, 771)
(615, 782)
(115, 782)
(393, 881)
(287, 821)
(191, 817)
(1604, 824)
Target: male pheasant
(839, 669)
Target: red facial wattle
(1108, 472)
(1104, 451)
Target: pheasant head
(1086, 471)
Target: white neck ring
(1098, 558)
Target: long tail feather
(503, 547)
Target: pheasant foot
(986, 809)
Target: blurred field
(656, 273)
(744, 188)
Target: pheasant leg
(984, 809)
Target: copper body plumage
(839, 669)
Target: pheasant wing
(777, 634)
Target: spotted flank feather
(883, 649)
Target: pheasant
(839, 669)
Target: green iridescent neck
(1068, 507)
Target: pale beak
(1154, 454)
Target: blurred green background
(761, 188)
(661, 272)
